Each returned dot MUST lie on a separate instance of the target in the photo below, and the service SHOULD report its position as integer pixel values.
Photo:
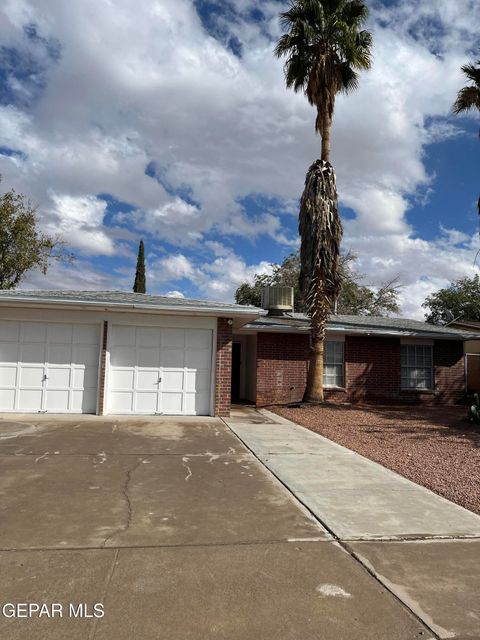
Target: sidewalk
(423, 548)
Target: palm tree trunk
(326, 129)
(320, 278)
(314, 389)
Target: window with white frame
(333, 364)
(416, 366)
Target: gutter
(119, 306)
(360, 331)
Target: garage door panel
(60, 333)
(199, 339)
(197, 403)
(197, 380)
(172, 380)
(8, 376)
(40, 365)
(197, 359)
(122, 379)
(123, 356)
(7, 400)
(148, 358)
(86, 334)
(84, 377)
(172, 403)
(29, 399)
(84, 401)
(58, 377)
(148, 337)
(167, 371)
(172, 358)
(122, 401)
(124, 336)
(32, 353)
(59, 354)
(146, 402)
(173, 338)
(34, 332)
(9, 352)
(148, 380)
(31, 376)
(85, 355)
(9, 331)
(57, 400)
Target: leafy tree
(325, 47)
(460, 300)
(354, 299)
(22, 246)
(139, 285)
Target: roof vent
(277, 300)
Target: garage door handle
(45, 377)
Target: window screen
(416, 366)
(333, 364)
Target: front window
(417, 368)
(333, 364)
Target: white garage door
(159, 371)
(48, 367)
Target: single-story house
(124, 353)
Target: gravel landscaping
(434, 447)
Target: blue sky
(172, 124)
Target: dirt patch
(434, 447)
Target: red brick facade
(282, 360)
(372, 371)
(223, 369)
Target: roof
(124, 299)
(470, 325)
(366, 325)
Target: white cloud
(79, 219)
(134, 86)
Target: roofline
(23, 301)
(348, 330)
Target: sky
(169, 120)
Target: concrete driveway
(179, 531)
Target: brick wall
(103, 366)
(281, 367)
(223, 368)
(449, 372)
(372, 368)
(372, 371)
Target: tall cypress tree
(140, 284)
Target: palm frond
(324, 48)
(467, 100)
(472, 72)
(321, 234)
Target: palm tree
(468, 98)
(325, 48)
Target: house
(126, 353)
(472, 353)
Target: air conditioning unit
(277, 300)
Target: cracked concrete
(123, 528)
(180, 531)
